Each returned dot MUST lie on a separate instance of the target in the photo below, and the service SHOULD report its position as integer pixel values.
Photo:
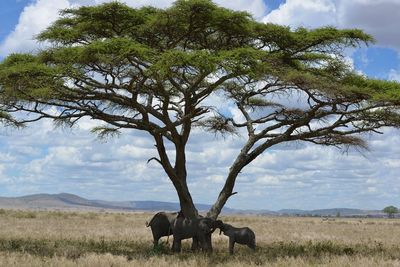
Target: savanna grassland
(57, 238)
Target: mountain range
(65, 201)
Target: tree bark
(227, 191)
(177, 174)
(185, 199)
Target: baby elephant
(244, 236)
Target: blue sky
(42, 158)
(9, 12)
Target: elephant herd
(199, 229)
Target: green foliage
(390, 211)
(24, 77)
(193, 37)
(113, 51)
(89, 23)
(104, 132)
(378, 90)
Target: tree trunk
(185, 200)
(177, 174)
(227, 191)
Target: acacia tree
(152, 70)
(390, 211)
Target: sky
(45, 159)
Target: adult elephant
(200, 229)
(160, 225)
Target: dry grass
(121, 239)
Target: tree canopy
(154, 69)
(390, 211)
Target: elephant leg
(173, 248)
(195, 244)
(204, 243)
(231, 245)
(208, 243)
(156, 238)
(176, 245)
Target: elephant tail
(152, 219)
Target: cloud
(378, 18)
(33, 19)
(267, 180)
(306, 13)
(287, 176)
(257, 8)
(394, 75)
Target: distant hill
(71, 201)
(65, 201)
(329, 212)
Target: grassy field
(121, 239)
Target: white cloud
(33, 19)
(88, 124)
(371, 189)
(306, 13)
(394, 75)
(267, 180)
(378, 18)
(220, 179)
(132, 151)
(300, 176)
(6, 157)
(255, 7)
(4, 178)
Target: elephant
(200, 229)
(244, 236)
(161, 225)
